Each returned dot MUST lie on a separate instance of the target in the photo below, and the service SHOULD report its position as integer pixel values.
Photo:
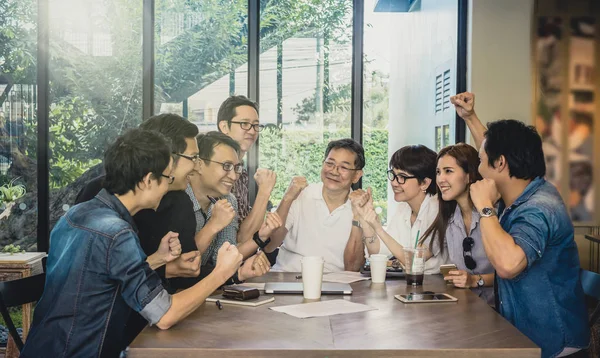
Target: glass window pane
(95, 88)
(305, 85)
(410, 57)
(18, 124)
(201, 57)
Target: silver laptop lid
(327, 288)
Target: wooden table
(14, 267)
(467, 328)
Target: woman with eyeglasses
(411, 174)
(457, 223)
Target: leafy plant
(13, 249)
(11, 191)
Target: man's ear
(224, 127)
(501, 164)
(357, 175)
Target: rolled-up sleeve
(531, 231)
(141, 287)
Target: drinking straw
(417, 239)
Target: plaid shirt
(229, 233)
(240, 191)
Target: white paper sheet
(323, 308)
(344, 277)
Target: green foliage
(11, 191)
(301, 152)
(16, 315)
(13, 249)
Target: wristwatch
(356, 223)
(480, 282)
(261, 244)
(487, 212)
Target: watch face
(480, 282)
(487, 211)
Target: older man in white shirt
(318, 217)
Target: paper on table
(345, 277)
(323, 308)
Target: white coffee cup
(378, 264)
(312, 276)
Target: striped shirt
(455, 234)
(229, 233)
(241, 192)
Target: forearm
(279, 234)
(154, 261)
(504, 254)
(247, 248)
(255, 218)
(476, 128)
(205, 236)
(368, 232)
(187, 301)
(354, 256)
(395, 248)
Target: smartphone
(424, 298)
(445, 269)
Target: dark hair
(417, 160)
(132, 156)
(468, 159)
(208, 141)
(351, 145)
(520, 144)
(228, 108)
(174, 127)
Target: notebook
(260, 300)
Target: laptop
(327, 288)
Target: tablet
(426, 298)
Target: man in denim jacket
(97, 271)
(530, 244)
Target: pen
(218, 303)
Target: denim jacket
(545, 301)
(96, 273)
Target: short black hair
(132, 156)
(227, 110)
(174, 127)
(351, 145)
(208, 141)
(520, 144)
(417, 160)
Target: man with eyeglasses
(318, 217)
(530, 240)
(215, 207)
(238, 119)
(97, 273)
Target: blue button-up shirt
(96, 273)
(546, 300)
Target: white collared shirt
(314, 231)
(400, 229)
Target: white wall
(424, 45)
(499, 58)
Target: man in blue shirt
(530, 240)
(97, 271)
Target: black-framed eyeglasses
(193, 158)
(170, 177)
(342, 169)
(247, 125)
(227, 166)
(399, 178)
(468, 244)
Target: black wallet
(240, 293)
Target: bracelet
(370, 239)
